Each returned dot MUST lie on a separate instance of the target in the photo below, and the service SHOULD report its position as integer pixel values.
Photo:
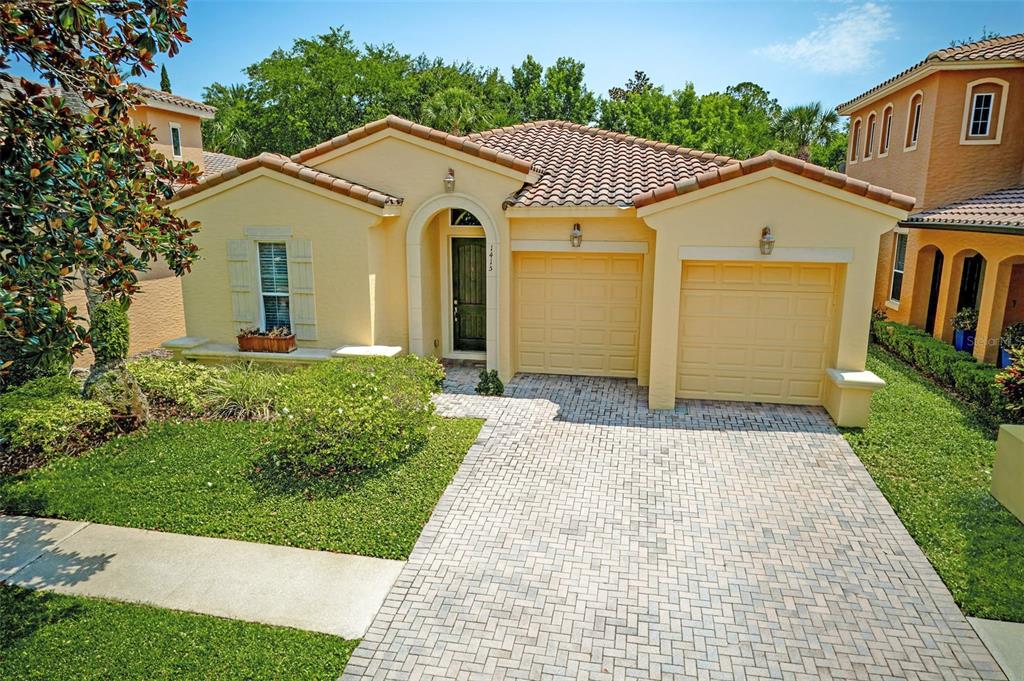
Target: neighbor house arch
(415, 253)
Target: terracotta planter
(267, 343)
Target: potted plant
(965, 324)
(278, 339)
(1013, 337)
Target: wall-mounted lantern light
(767, 242)
(576, 236)
(449, 181)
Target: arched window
(984, 109)
(883, 148)
(855, 141)
(869, 138)
(914, 120)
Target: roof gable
(773, 159)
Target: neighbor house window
(984, 110)
(855, 141)
(869, 144)
(886, 130)
(176, 140)
(981, 114)
(898, 261)
(274, 286)
(914, 120)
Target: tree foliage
(81, 186)
(165, 80)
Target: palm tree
(805, 125)
(455, 110)
(229, 131)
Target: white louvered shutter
(301, 288)
(240, 280)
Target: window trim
(855, 129)
(181, 147)
(885, 141)
(905, 233)
(263, 294)
(1000, 91)
(913, 115)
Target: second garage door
(578, 313)
(756, 332)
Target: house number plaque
(490, 258)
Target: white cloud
(842, 43)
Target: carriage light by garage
(449, 181)
(576, 236)
(767, 242)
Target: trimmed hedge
(958, 371)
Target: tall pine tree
(165, 80)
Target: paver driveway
(585, 537)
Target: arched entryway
(430, 279)
(927, 287)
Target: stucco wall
(341, 262)
(156, 315)
(160, 121)
(802, 214)
(941, 169)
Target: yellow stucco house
(949, 130)
(549, 247)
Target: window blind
(273, 259)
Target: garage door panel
(755, 331)
(590, 322)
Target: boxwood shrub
(353, 413)
(48, 416)
(958, 371)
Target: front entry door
(469, 295)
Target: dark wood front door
(469, 294)
(933, 293)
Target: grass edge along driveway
(931, 456)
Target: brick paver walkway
(587, 538)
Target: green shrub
(352, 413)
(108, 331)
(185, 385)
(244, 391)
(958, 371)
(490, 384)
(1013, 336)
(966, 319)
(1011, 382)
(48, 415)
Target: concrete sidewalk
(1005, 640)
(332, 593)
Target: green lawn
(49, 636)
(206, 478)
(931, 455)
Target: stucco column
(990, 312)
(665, 329)
(855, 323)
(949, 289)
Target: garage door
(756, 332)
(577, 313)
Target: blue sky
(799, 51)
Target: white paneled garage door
(756, 331)
(577, 313)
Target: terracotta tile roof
(283, 164)
(1006, 48)
(1002, 208)
(774, 159)
(148, 93)
(584, 166)
(457, 142)
(215, 162)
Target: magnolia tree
(81, 188)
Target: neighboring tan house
(156, 313)
(950, 131)
(548, 247)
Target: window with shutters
(275, 304)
